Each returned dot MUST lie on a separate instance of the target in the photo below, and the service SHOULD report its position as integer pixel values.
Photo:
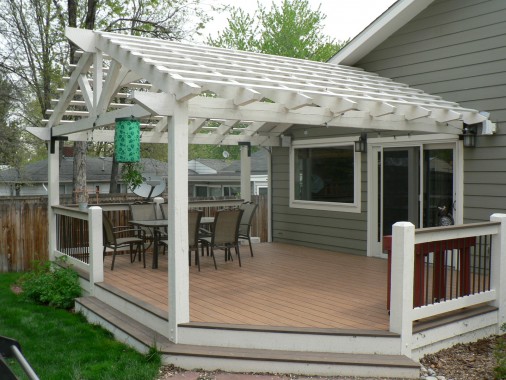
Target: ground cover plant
(60, 344)
(51, 283)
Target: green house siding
(336, 231)
(457, 49)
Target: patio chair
(120, 237)
(225, 234)
(249, 209)
(144, 211)
(193, 236)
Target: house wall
(337, 231)
(457, 49)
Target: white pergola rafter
(266, 94)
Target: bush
(53, 284)
(500, 356)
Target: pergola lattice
(231, 96)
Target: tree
(291, 30)
(35, 53)
(10, 133)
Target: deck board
(282, 285)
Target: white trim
(394, 18)
(354, 207)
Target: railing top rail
(70, 211)
(423, 235)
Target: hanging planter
(127, 140)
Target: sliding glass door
(410, 183)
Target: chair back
(143, 211)
(164, 207)
(108, 229)
(194, 217)
(226, 226)
(249, 209)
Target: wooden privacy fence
(24, 226)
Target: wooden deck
(282, 285)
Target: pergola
(192, 94)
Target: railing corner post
(498, 268)
(96, 246)
(401, 304)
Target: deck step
(187, 356)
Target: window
(325, 177)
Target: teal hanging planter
(127, 140)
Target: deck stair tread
(451, 317)
(148, 337)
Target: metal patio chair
(144, 211)
(249, 209)
(121, 237)
(225, 234)
(194, 217)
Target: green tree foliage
(291, 30)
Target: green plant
(500, 356)
(63, 345)
(131, 173)
(51, 283)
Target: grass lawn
(62, 345)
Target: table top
(149, 223)
(164, 222)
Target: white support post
(401, 294)
(96, 246)
(53, 196)
(269, 196)
(179, 275)
(245, 173)
(498, 268)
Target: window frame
(356, 206)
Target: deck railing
(79, 238)
(440, 270)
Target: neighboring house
(215, 178)
(206, 177)
(32, 178)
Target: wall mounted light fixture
(361, 143)
(469, 136)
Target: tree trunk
(114, 176)
(80, 193)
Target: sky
(345, 18)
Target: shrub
(500, 356)
(52, 283)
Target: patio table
(156, 224)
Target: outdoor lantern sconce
(361, 144)
(127, 140)
(469, 136)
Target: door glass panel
(438, 184)
(401, 183)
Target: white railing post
(401, 294)
(96, 246)
(158, 210)
(498, 268)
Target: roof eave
(394, 18)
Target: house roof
(395, 17)
(97, 170)
(231, 96)
(259, 160)
(207, 165)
